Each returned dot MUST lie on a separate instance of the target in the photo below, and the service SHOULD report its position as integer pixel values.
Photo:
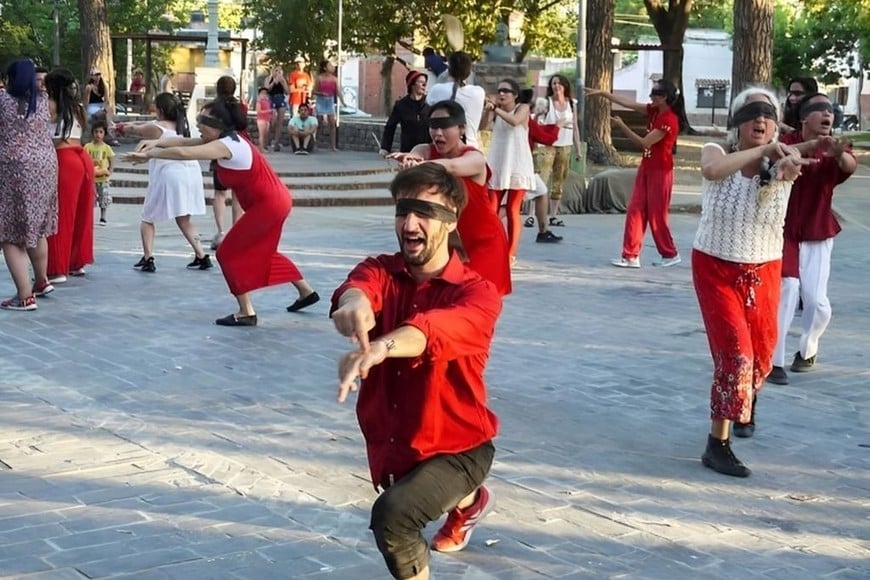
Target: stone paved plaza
(139, 440)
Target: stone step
(388, 169)
(121, 179)
(304, 198)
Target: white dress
(174, 188)
(510, 157)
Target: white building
(706, 74)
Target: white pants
(812, 287)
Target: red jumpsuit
(72, 247)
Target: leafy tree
(27, 31)
(96, 44)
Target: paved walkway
(138, 440)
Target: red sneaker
(16, 303)
(40, 290)
(455, 534)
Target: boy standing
(102, 155)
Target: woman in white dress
(509, 157)
(174, 187)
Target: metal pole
(211, 48)
(338, 68)
(55, 57)
(581, 81)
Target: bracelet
(389, 343)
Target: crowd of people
(764, 242)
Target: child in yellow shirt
(102, 156)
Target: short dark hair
(459, 65)
(454, 110)
(99, 124)
(41, 69)
(425, 176)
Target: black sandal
(234, 320)
(530, 222)
(301, 303)
(556, 223)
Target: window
(712, 97)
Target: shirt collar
(453, 272)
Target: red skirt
(249, 256)
(739, 305)
(72, 247)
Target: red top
(300, 85)
(543, 134)
(411, 409)
(482, 233)
(661, 154)
(810, 216)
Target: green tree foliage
(27, 31)
(829, 40)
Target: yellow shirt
(101, 154)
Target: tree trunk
(753, 44)
(387, 84)
(599, 75)
(97, 45)
(670, 25)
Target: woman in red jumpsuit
(248, 255)
(482, 234)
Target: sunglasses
(797, 93)
(657, 93)
(506, 92)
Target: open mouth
(759, 131)
(413, 243)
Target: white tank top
(75, 132)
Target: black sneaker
(802, 365)
(203, 263)
(548, 237)
(719, 457)
(102, 221)
(777, 376)
(140, 263)
(148, 265)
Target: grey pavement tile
(58, 574)
(602, 395)
(24, 564)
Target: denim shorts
(278, 101)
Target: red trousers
(739, 305)
(650, 202)
(72, 247)
(512, 212)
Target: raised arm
(619, 100)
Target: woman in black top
(95, 93)
(278, 91)
(412, 113)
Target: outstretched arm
(619, 100)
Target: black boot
(747, 429)
(719, 457)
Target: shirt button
(395, 406)
(398, 373)
(392, 439)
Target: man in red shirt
(810, 227)
(423, 323)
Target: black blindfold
(424, 209)
(815, 107)
(444, 122)
(753, 110)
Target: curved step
(343, 183)
(386, 170)
(305, 198)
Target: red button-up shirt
(810, 215)
(412, 409)
(661, 154)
